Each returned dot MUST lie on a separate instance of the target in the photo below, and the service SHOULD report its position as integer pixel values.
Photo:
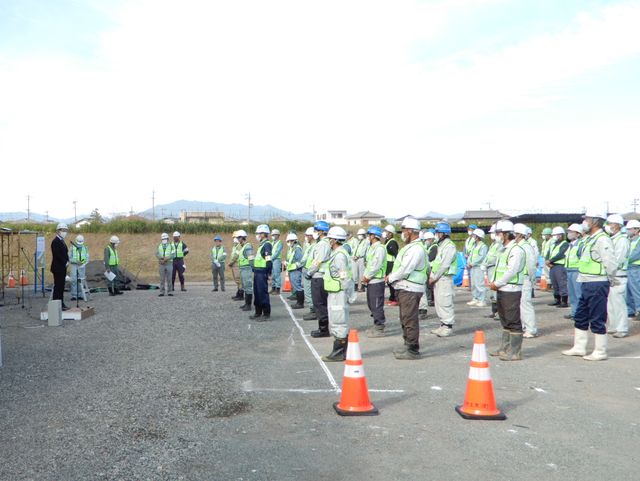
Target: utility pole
(153, 205)
(248, 197)
(313, 209)
(28, 207)
(75, 211)
(634, 204)
(47, 213)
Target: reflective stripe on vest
(571, 259)
(113, 256)
(291, 253)
(502, 266)
(242, 260)
(417, 276)
(79, 254)
(162, 250)
(331, 284)
(179, 249)
(259, 261)
(308, 252)
(379, 274)
(435, 265)
(556, 251)
(634, 243)
(216, 252)
(588, 265)
(274, 245)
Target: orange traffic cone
(11, 282)
(23, 278)
(543, 283)
(287, 283)
(354, 400)
(479, 400)
(465, 278)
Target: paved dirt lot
(188, 388)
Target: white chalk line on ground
(314, 391)
(624, 357)
(324, 367)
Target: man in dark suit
(59, 261)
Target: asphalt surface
(188, 388)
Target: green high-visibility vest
(572, 259)
(260, 262)
(179, 249)
(556, 251)
(243, 261)
(162, 250)
(291, 253)
(113, 256)
(216, 252)
(379, 274)
(634, 243)
(492, 254)
(275, 246)
(307, 254)
(323, 266)
(332, 284)
(435, 265)
(79, 254)
(588, 265)
(475, 251)
(417, 276)
(502, 265)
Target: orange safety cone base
(373, 411)
(287, 285)
(498, 416)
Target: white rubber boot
(600, 351)
(580, 339)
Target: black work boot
(266, 315)
(111, 291)
(339, 352)
(239, 295)
(556, 303)
(320, 333)
(564, 301)
(293, 296)
(299, 301)
(256, 315)
(422, 314)
(408, 352)
(310, 316)
(247, 302)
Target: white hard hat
(275, 232)
(338, 233)
(164, 236)
(615, 219)
(558, 231)
(492, 229)
(390, 228)
(62, 226)
(479, 233)
(362, 232)
(421, 235)
(520, 229)
(241, 233)
(114, 239)
(529, 230)
(410, 223)
(262, 229)
(176, 234)
(633, 224)
(291, 237)
(576, 228)
(428, 235)
(597, 213)
(309, 231)
(80, 239)
(504, 226)
(235, 233)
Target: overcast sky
(389, 106)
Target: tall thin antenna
(153, 205)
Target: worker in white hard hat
(310, 237)
(262, 269)
(527, 311)
(409, 277)
(431, 247)
(165, 254)
(218, 259)
(545, 251)
(597, 268)
(574, 236)
(245, 260)
(633, 269)
(59, 261)
(315, 272)
(179, 266)
(339, 285)
(233, 260)
(112, 265)
(391, 244)
(489, 265)
(617, 303)
(469, 241)
(373, 277)
(359, 256)
(557, 271)
(293, 265)
(443, 268)
(476, 255)
(508, 279)
(78, 260)
(276, 261)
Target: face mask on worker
(315, 236)
(165, 241)
(63, 234)
(608, 229)
(235, 240)
(290, 243)
(469, 233)
(586, 226)
(493, 237)
(361, 236)
(571, 236)
(499, 239)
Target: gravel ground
(188, 388)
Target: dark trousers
(392, 291)
(509, 310)
(408, 303)
(319, 298)
(58, 285)
(558, 275)
(178, 268)
(592, 307)
(375, 302)
(261, 292)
